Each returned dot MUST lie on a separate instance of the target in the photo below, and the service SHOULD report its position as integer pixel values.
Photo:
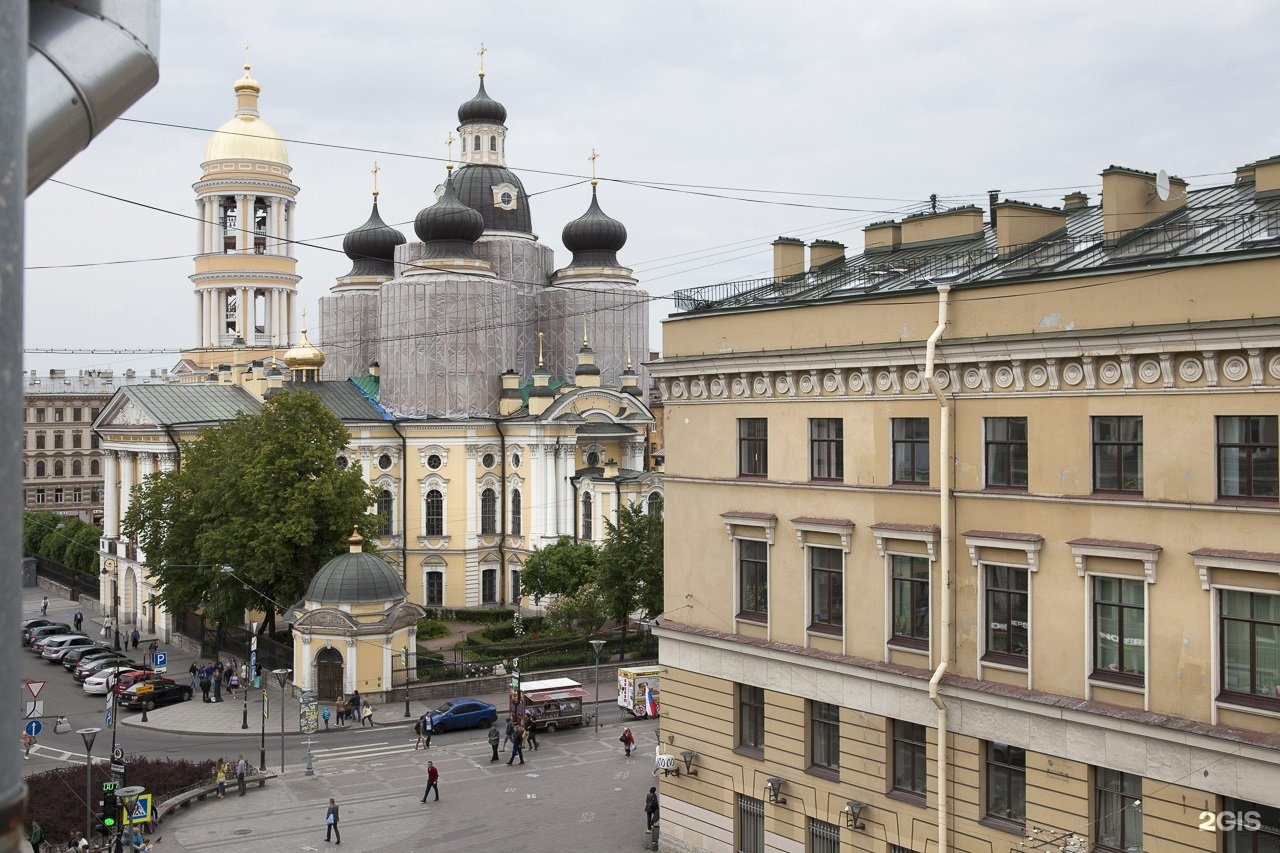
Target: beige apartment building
(975, 536)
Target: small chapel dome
(594, 238)
(449, 221)
(355, 578)
(372, 246)
(245, 135)
(482, 109)
(304, 354)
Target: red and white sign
(34, 688)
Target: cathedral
(493, 400)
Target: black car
(77, 656)
(154, 691)
(91, 667)
(29, 625)
(53, 629)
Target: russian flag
(650, 705)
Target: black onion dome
(372, 247)
(474, 183)
(482, 109)
(586, 368)
(448, 227)
(594, 238)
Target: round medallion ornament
(1191, 370)
(855, 383)
(972, 378)
(1235, 368)
(1037, 376)
(1072, 374)
(782, 385)
(911, 380)
(696, 388)
(942, 377)
(1004, 376)
(760, 386)
(1274, 367)
(677, 389)
(717, 387)
(1149, 371)
(806, 384)
(831, 383)
(1109, 372)
(739, 387)
(884, 381)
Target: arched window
(655, 503)
(386, 507)
(516, 592)
(489, 586)
(435, 589)
(514, 527)
(435, 513)
(57, 468)
(476, 147)
(39, 469)
(488, 512)
(94, 470)
(343, 463)
(593, 459)
(586, 517)
(493, 143)
(77, 468)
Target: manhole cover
(243, 832)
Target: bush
(430, 629)
(480, 616)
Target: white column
(288, 231)
(242, 313)
(276, 302)
(200, 227)
(471, 496)
(549, 491)
(277, 220)
(110, 495)
(288, 316)
(126, 483)
(244, 223)
(537, 506)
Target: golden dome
(246, 135)
(304, 354)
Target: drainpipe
(404, 504)
(946, 535)
(502, 517)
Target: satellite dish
(1162, 185)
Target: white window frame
(762, 527)
(805, 528)
(441, 485)
(435, 565)
(1089, 682)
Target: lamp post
(88, 735)
(128, 797)
(596, 645)
(404, 659)
(282, 675)
(262, 744)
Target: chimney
(788, 257)
(375, 369)
(825, 252)
(1021, 223)
(881, 237)
(1074, 201)
(948, 226)
(993, 199)
(1129, 201)
(275, 380)
(1266, 177)
(225, 376)
(509, 399)
(611, 469)
(540, 395)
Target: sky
(720, 126)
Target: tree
(559, 569)
(631, 563)
(263, 495)
(582, 609)
(63, 539)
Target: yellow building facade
(974, 537)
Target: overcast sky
(760, 119)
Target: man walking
(650, 809)
(424, 731)
(433, 782)
(242, 769)
(78, 619)
(530, 734)
(511, 729)
(331, 822)
(44, 606)
(494, 737)
(517, 745)
(134, 637)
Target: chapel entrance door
(329, 674)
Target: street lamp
(404, 659)
(88, 735)
(282, 675)
(217, 633)
(128, 797)
(596, 645)
(262, 745)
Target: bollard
(653, 837)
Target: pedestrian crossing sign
(141, 811)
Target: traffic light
(110, 813)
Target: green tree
(630, 565)
(63, 539)
(559, 569)
(261, 494)
(582, 609)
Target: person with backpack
(494, 738)
(628, 740)
(423, 729)
(517, 744)
(324, 715)
(650, 809)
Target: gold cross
(246, 59)
(375, 170)
(448, 141)
(584, 332)
(481, 52)
(593, 158)
(539, 349)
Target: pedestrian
(82, 844)
(324, 715)
(530, 734)
(218, 670)
(194, 672)
(233, 684)
(494, 737)
(106, 626)
(517, 745)
(511, 731)
(78, 619)
(37, 837)
(220, 777)
(366, 715)
(353, 707)
(628, 740)
(340, 708)
(44, 606)
(134, 637)
(331, 822)
(423, 729)
(242, 770)
(138, 840)
(433, 781)
(205, 684)
(650, 809)
(28, 741)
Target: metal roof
(345, 399)
(196, 403)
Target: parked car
(154, 691)
(87, 668)
(463, 714)
(29, 625)
(39, 645)
(124, 680)
(101, 681)
(56, 647)
(73, 657)
(49, 630)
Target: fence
(482, 661)
(79, 583)
(232, 641)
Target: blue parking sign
(160, 661)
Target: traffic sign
(117, 769)
(117, 754)
(108, 718)
(34, 709)
(160, 661)
(141, 812)
(34, 688)
(33, 728)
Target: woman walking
(628, 740)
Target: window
(910, 750)
(342, 463)
(95, 495)
(910, 601)
(39, 496)
(1007, 618)
(40, 469)
(824, 735)
(77, 495)
(489, 586)
(753, 447)
(1118, 810)
(435, 589)
(1006, 768)
(592, 459)
(514, 527)
(655, 504)
(1247, 457)
(493, 143)
(488, 512)
(39, 416)
(77, 439)
(39, 441)
(586, 517)
(93, 441)
(434, 461)
(57, 495)
(826, 574)
(58, 468)
(93, 414)
(750, 825)
(75, 414)
(386, 509)
(911, 451)
(1006, 452)
(57, 440)
(488, 460)
(1119, 629)
(385, 461)
(57, 415)
(1117, 454)
(516, 593)
(476, 145)
(1265, 838)
(826, 449)
(753, 579)
(823, 837)
(434, 513)
(95, 469)
(751, 718)
(1250, 642)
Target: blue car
(463, 714)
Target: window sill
(753, 617)
(749, 752)
(826, 630)
(1118, 494)
(826, 480)
(909, 644)
(1004, 824)
(1118, 680)
(742, 476)
(910, 486)
(831, 774)
(1241, 500)
(1250, 704)
(997, 660)
(1013, 490)
(909, 797)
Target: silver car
(56, 647)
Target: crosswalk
(364, 753)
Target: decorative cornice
(1082, 549)
(1224, 558)
(1028, 543)
(766, 520)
